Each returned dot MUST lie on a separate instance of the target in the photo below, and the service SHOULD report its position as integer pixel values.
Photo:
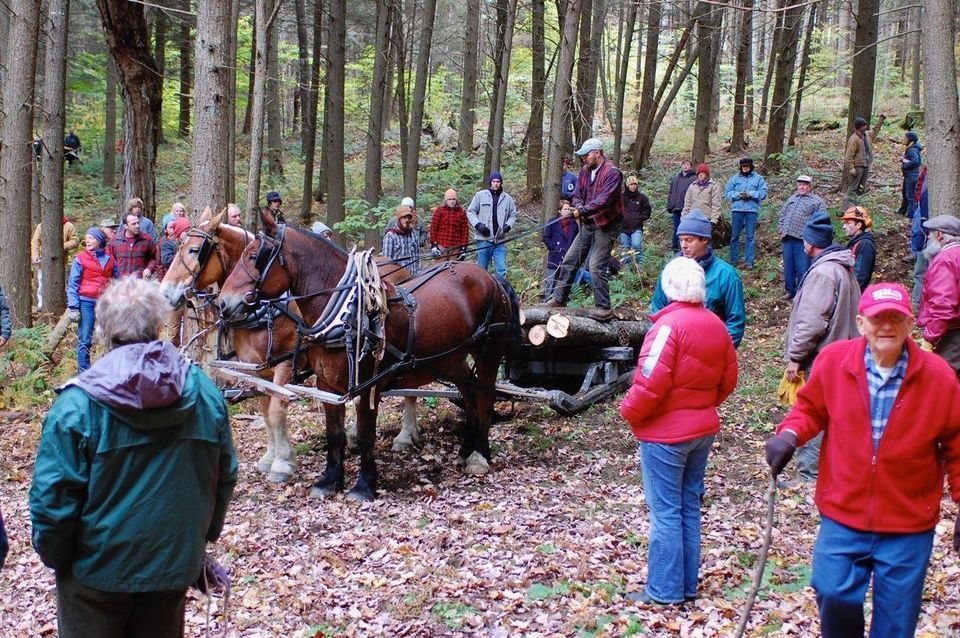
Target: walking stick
(758, 576)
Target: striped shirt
(883, 392)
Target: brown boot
(554, 303)
(603, 314)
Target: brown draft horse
(206, 257)
(459, 313)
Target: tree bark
(110, 126)
(412, 161)
(160, 26)
(654, 17)
(399, 58)
(499, 52)
(141, 89)
(915, 59)
(738, 140)
(274, 123)
(16, 161)
(251, 76)
(373, 179)
(537, 88)
(231, 182)
(864, 72)
(786, 58)
(942, 115)
(303, 70)
(310, 117)
(581, 129)
(333, 144)
(622, 74)
(708, 23)
(561, 104)
(499, 112)
(771, 59)
(843, 41)
(258, 116)
(186, 65)
(211, 100)
(802, 80)
(54, 92)
(468, 94)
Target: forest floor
(548, 543)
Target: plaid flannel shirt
(133, 256)
(449, 227)
(403, 249)
(883, 394)
(796, 211)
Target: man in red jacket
(890, 414)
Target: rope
(764, 549)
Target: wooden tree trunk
(274, 123)
(333, 143)
(560, 106)
(744, 43)
(110, 126)
(251, 76)
(160, 25)
(468, 94)
(802, 80)
(209, 166)
(718, 36)
(54, 93)
(707, 24)
(786, 58)
(537, 88)
(141, 89)
(942, 115)
(581, 128)
(412, 161)
(373, 179)
(586, 331)
(186, 64)
(310, 117)
(645, 116)
(303, 70)
(231, 177)
(622, 74)
(258, 116)
(864, 73)
(397, 41)
(499, 112)
(663, 107)
(915, 23)
(771, 59)
(499, 51)
(16, 161)
(843, 41)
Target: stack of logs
(571, 327)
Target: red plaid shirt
(449, 227)
(133, 255)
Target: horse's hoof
(265, 463)
(476, 465)
(325, 489)
(402, 445)
(360, 495)
(279, 477)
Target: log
(542, 314)
(573, 329)
(537, 335)
(56, 335)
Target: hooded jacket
(708, 198)
(687, 367)
(753, 185)
(636, 211)
(134, 472)
(864, 252)
(940, 295)
(911, 168)
(825, 306)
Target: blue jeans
(486, 249)
(919, 270)
(632, 241)
(676, 224)
(740, 222)
(795, 263)
(844, 559)
(673, 488)
(85, 333)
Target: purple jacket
(602, 201)
(558, 241)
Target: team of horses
(452, 322)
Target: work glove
(74, 314)
(744, 195)
(506, 228)
(435, 251)
(213, 577)
(853, 172)
(482, 229)
(780, 449)
(926, 345)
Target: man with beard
(940, 296)
(856, 225)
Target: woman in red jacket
(687, 367)
(93, 268)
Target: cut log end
(537, 335)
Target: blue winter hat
(913, 137)
(495, 175)
(696, 224)
(96, 233)
(819, 230)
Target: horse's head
(261, 271)
(198, 263)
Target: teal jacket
(134, 472)
(724, 295)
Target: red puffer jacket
(940, 295)
(898, 488)
(687, 367)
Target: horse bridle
(210, 244)
(270, 252)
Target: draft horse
(206, 257)
(452, 322)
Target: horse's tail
(514, 332)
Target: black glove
(956, 535)
(780, 449)
(744, 195)
(482, 229)
(506, 228)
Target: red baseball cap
(885, 296)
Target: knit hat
(703, 168)
(879, 297)
(319, 228)
(746, 161)
(274, 196)
(495, 175)
(97, 234)
(633, 179)
(857, 214)
(858, 122)
(694, 223)
(180, 225)
(819, 230)
(450, 194)
(912, 136)
(408, 202)
(169, 217)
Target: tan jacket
(708, 199)
(70, 240)
(855, 154)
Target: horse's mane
(313, 235)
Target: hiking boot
(554, 303)
(603, 314)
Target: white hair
(131, 310)
(683, 280)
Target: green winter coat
(134, 472)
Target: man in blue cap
(274, 201)
(724, 288)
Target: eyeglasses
(894, 318)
